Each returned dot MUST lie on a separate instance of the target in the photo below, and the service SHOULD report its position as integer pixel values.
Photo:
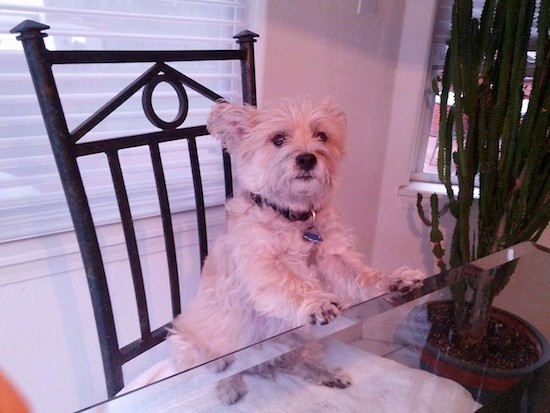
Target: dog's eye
(278, 139)
(321, 136)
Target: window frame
(438, 49)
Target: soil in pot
(513, 350)
(504, 347)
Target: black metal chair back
(68, 146)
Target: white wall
(326, 48)
(399, 233)
(374, 63)
(48, 340)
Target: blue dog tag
(312, 236)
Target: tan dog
(284, 258)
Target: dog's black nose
(306, 161)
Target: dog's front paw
(326, 311)
(231, 389)
(337, 379)
(405, 280)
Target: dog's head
(287, 153)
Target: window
(426, 163)
(31, 198)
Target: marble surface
(378, 385)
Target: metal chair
(68, 146)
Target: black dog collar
(310, 234)
(287, 213)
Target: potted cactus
(497, 147)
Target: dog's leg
(315, 373)
(348, 277)
(321, 375)
(265, 370)
(277, 292)
(231, 389)
(187, 353)
(224, 363)
(234, 387)
(344, 272)
(305, 363)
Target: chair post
(63, 148)
(246, 40)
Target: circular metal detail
(146, 101)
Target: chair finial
(245, 36)
(29, 29)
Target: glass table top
(377, 345)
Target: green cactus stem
(493, 143)
(436, 236)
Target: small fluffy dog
(284, 257)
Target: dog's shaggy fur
(262, 276)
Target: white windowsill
(428, 188)
(425, 188)
(54, 254)
(407, 194)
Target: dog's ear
(229, 123)
(335, 111)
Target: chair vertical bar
(168, 229)
(61, 141)
(246, 40)
(199, 198)
(131, 242)
(227, 174)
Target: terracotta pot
(482, 382)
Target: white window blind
(442, 29)
(31, 199)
